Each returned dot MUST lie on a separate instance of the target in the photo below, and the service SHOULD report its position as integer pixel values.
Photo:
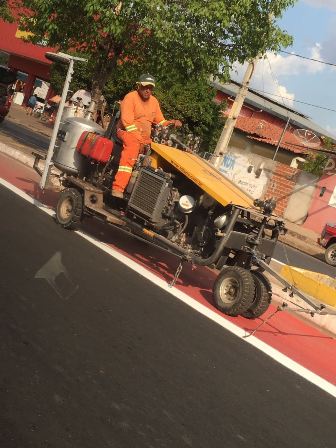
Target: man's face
(145, 91)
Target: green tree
(328, 143)
(315, 163)
(174, 39)
(5, 11)
(81, 78)
(191, 101)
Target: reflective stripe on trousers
(131, 147)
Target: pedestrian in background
(31, 104)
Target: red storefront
(24, 56)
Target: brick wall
(281, 185)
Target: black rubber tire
(69, 209)
(330, 254)
(234, 290)
(262, 296)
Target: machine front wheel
(234, 290)
(262, 296)
(69, 209)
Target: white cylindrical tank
(66, 158)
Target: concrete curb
(296, 306)
(28, 159)
(319, 286)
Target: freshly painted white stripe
(220, 320)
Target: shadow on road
(152, 258)
(273, 327)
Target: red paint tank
(95, 146)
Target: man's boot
(117, 194)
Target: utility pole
(281, 137)
(64, 59)
(230, 123)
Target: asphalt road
(24, 132)
(93, 355)
(288, 255)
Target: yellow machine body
(202, 174)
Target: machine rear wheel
(234, 290)
(69, 209)
(262, 296)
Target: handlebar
(267, 206)
(176, 140)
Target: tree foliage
(182, 42)
(315, 163)
(190, 101)
(5, 11)
(193, 103)
(174, 39)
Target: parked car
(328, 240)
(7, 78)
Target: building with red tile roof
(261, 126)
(25, 57)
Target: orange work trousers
(132, 143)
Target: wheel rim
(332, 255)
(66, 209)
(229, 290)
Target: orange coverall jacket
(138, 115)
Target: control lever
(176, 140)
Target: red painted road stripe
(308, 346)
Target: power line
(282, 97)
(308, 59)
(275, 79)
(295, 101)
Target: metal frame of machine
(180, 203)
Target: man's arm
(127, 113)
(160, 119)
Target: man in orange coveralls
(138, 111)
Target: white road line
(193, 303)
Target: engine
(152, 198)
(159, 200)
(167, 202)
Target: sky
(294, 81)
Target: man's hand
(176, 123)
